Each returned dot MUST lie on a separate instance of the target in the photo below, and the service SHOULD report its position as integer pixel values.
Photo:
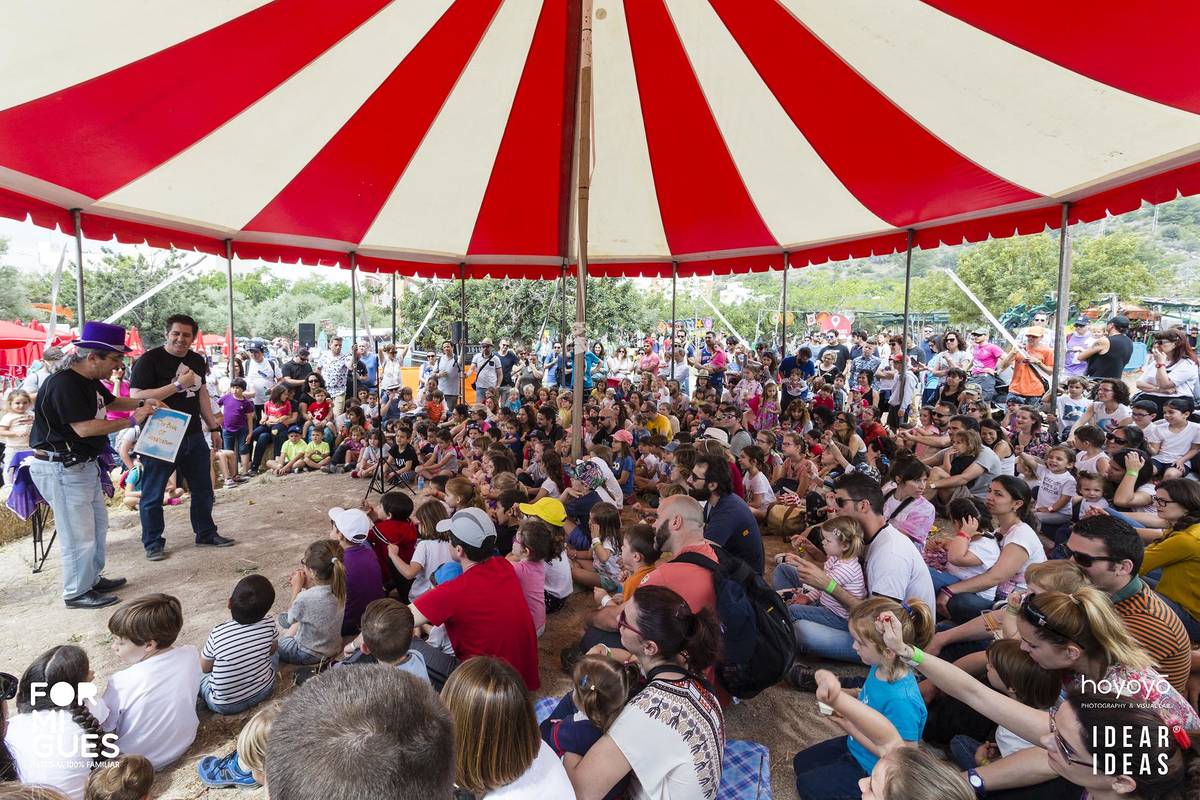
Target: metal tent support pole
(230, 339)
(674, 320)
(353, 325)
(462, 341)
(562, 325)
(578, 334)
(76, 217)
(783, 311)
(1062, 309)
(908, 250)
(393, 309)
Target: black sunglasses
(1036, 617)
(8, 686)
(1086, 560)
(1113, 438)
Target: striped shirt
(849, 576)
(1157, 629)
(241, 656)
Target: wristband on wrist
(1132, 473)
(829, 587)
(606, 601)
(596, 542)
(178, 387)
(947, 591)
(132, 422)
(917, 657)
(962, 534)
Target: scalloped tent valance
(422, 136)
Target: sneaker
(230, 483)
(223, 772)
(240, 478)
(216, 540)
(803, 678)
(327, 469)
(155, 553)
(354, 473)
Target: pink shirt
(986, 356)
(532, 575)
(648, 362)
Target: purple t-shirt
(364, 583)
(234, 412)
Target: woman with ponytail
(834, 768)
(312, 626)
(52, 744)
(1078, 633)
(1010, 503)
(671, 735)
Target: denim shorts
(235, 441)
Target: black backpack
(759, 642)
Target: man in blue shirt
(367, 357)
(728, 521)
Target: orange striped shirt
(1158, 630)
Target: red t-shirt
(485, 614)
(403, 534)
(319, 411)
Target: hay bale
(13, 527)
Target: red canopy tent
(19, 347)
(422, 136)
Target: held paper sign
(162, 434)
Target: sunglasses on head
(1037, 618)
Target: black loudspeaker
(456, 332)
(308, 334)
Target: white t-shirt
(488, 371)
(987, 550)
(759, 485)
(558, 577)
(551, 488)
(1173, 445)
(1053, 486)
(261, 377)
(1106, 421)
(1023, 536)
(430, 554)
(1070, 410)
(152, 705)
(544, 779)
(46, 747)
(1182, 373)
(896, 569)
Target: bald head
(680, 523)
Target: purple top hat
(102, 336)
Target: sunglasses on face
(8, 686)
(623, 623)
(1113, 438)
(1162, 501)
(1064, 749)
(1086, 560)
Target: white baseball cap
(469, 525)
(352, 523)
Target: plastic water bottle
(420, 483)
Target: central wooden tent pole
(578, 334)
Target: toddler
(1089, 454)
(15, 425)
(246, 765)
(292, 455)
(1091, 493)
(127, 778)
(534, 546)
(600, 565)
(972, 551)
(842, 541)
(639, 556)
(370, 456)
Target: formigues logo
(62, 740)
(1126, 687)
(1143, 751)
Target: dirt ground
(273, 519)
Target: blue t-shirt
(899, 701)
(625, 465)
(371, 362)
(731, 524)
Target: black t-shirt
(405, 456)
(158, 368)
(297, 370)
(63, 398)
(507, 362)
(843, 355)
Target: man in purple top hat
(174, 374)
(69, 434)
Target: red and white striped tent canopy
(425, 133)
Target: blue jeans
(966, 607)
(249, 702)
(80, 517)
(941, 579)
(192, 464)
(1189, 623)
(785, 577)
(828, 771)
(962, 751)
(292, 652)
(822, 633)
